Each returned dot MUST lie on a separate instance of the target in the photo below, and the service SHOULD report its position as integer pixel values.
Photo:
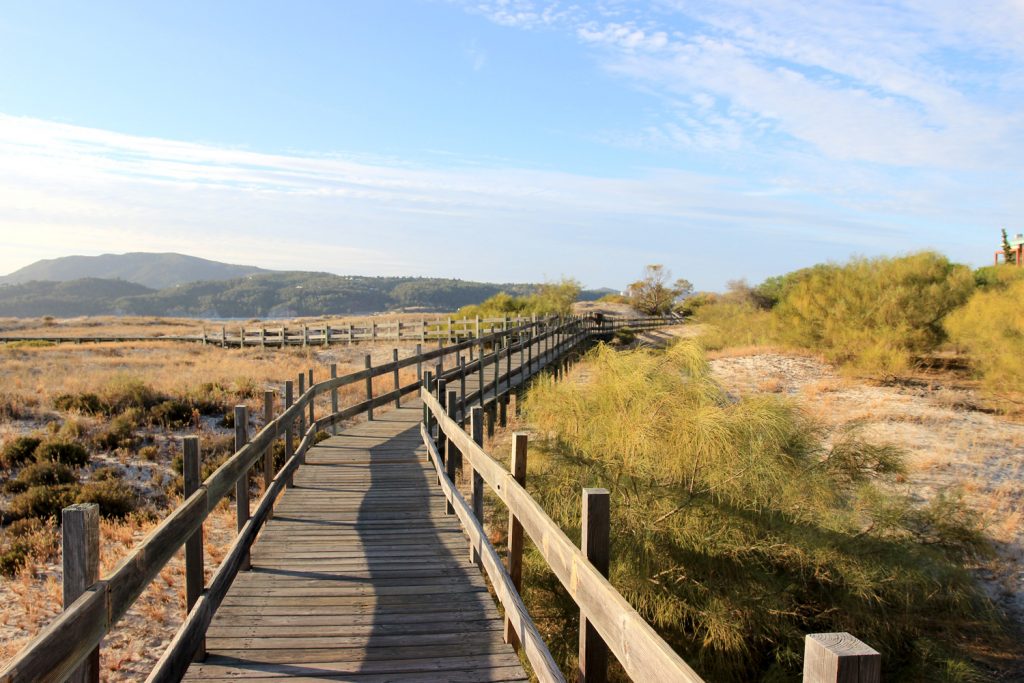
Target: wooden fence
(68, 646)
(445, 330)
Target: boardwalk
(361, 575)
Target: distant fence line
(443, 330)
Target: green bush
(738, 529)
(172, 414)
(66, 452)
(40, 474)
(114, 497)
(729, 324)
(125, 392)
(43, 502)
(550, 298)
(20, 450)
(991, 327)
(119, 432)
(875, 314)
(86, 403)
(25, 542)
(106, 473)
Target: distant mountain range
(221, 293)
(152, 270)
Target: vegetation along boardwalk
(364, 561)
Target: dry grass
(141, 326)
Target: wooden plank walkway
(361, 576)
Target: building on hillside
(1016, 251)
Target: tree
(652, 295)
(1009, 254)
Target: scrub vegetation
(738, 528)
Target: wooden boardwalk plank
(361, 576)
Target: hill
(152, 270)
(87, 296)
(263, 295)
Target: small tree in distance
(1009, 255)
(653, 295)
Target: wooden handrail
(644, 655)
(63, 644)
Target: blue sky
(512, 140)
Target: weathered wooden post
(242, 485)
(80, 548)
(368, 363)
(223, 337)
(268, 455)
(453, 455)
(476, 430)
(440, 394)
(305, 336)
(462, 387)
(373, 330)
(195, 576)
(503, 411)
(440, 359)
(334, 399)
(419, 363)
(497, 368)
(428, 379)
(515, 529)
(327, 335)
(593, 658)
(398, 396)
(263, 337)
(477, 334)
(289, 443)
(840, 658)
(480, 375)
(312, 400)
(302, 415)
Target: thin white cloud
(68, 189)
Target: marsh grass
(991, 328)
(736, 530)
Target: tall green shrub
(991, 328)
(876, 314)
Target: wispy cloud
(912, 84)
(69, 189)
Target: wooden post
(423, 331)
(497, 368)
(242, 485)
(462, 387)
(195, 576)
(503, 411)
(373, 330)
(305, 336)
(840, 658)
(263, 337)
(442, 398)
(302, 415)
(515, 529)
(593, 658)
(398, 397)
(348, 329)
(368, 363)
(289, 443)
(476, 430)
(508, 361)
(327, 335)
(419, 363)
(477, 335)
(440, 359)
(80, 548)
(334, 398)
(223, 337)
(450, 330)
(428, 379)
(480, 375)
(451, 460)
(268, 455)
(312, 400)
